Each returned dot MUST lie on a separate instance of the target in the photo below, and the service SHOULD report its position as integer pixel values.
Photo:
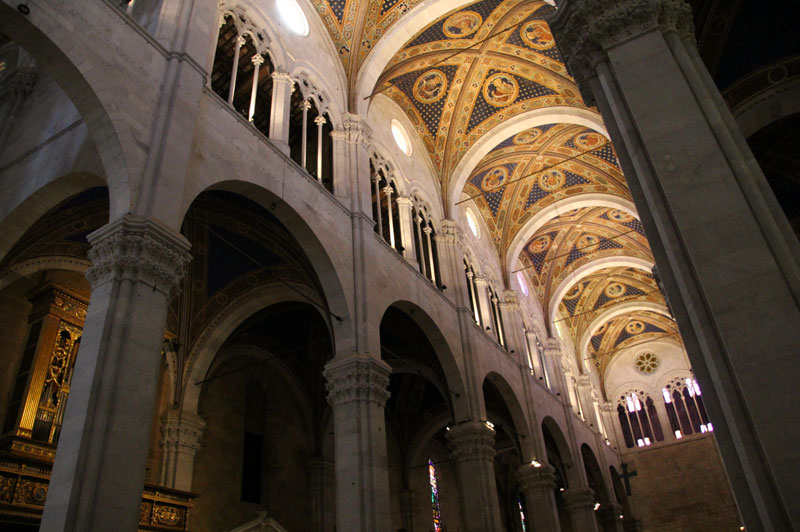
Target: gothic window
(436, 510)
(385, 211)
(638, 419)
(521, 513)
(425, 243)
(474, 303)
(685, 409)
(253, 445)
(242, 72)
(310, 143)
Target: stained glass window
(437, 514)
(521, 514)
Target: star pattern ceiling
(473, 69)
(627, 330)
(467, 73)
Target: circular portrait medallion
(494, 178)
(430, 86)
(462, 24)
(551, 180)
(500, 89)
(537, 35)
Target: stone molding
(449, 234)
(579, 499)
(585, 29)
(182, 431)
(357, 378)
(540, 479)
(552, 348)
(584, 381)
(471, 440)
(510, 302)
(140, 250)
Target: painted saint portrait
(430, 86)
(462, 24)
(500, 89)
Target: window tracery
(242, 70)
(638, 419)
(686, 411)
(425, 241)
(385, 211)
(310, 142)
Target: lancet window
(687, 414)
(435, 507)
(385, 211)
(425, 242)
(472, 290)
(310, 142)
(638, 419)
(242, 70)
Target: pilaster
(472, 448)
(136, 266)
(357, 392)
(555, 372)
(405, 205)
(351, 153)
(538, 484)
(181, 435)
(514, 331)
(482, 293)
(322, 494)
(580, 506)
(451, 267)
(587, 402)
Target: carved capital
(137, 249)
(23, 80)
(357, 378)
(356, 130)
(404, 202)
(182, 432)
(449, 233)
(585, 29)
(579, 499)
(257, 59)
(584, 381)
(471, 440)
(282, 77)
(540, 479)
(552, 348)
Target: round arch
(526, 120)
(454, 379)
(52, 44)
(518, 417)
(551, 428)
(202, 354)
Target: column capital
(240, 41)
(356, 130)
(449, 234)
(404, 201)
(481, 281)
(320, 120)
(471, 440)
(538, 479)
(182, 431)
(552, 347)
(257, 59)
(579, 498)
(586, 28)
(137, 249)
(357, 378)
(427, 230)
(584, 380)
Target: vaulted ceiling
(467, 74)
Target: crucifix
(626, 477)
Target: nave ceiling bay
(552, 197)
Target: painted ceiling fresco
(536, 168)
(468, 73)
(473, 69)
(627, 330)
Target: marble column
(136, 265)
(538, 486)
(579, 503)
(280, 110)
(610, 516)
(727, 257)
(472, 444)
(405, 205)
(181, 435)
(357, 392)
(322, 494)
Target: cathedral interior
(399, 265)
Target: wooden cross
(626, 477)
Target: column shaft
(473, 451)
(538, 486)
(136, 263)
(280, 110)
(357, 394)
(405, 209)
(580, 505)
